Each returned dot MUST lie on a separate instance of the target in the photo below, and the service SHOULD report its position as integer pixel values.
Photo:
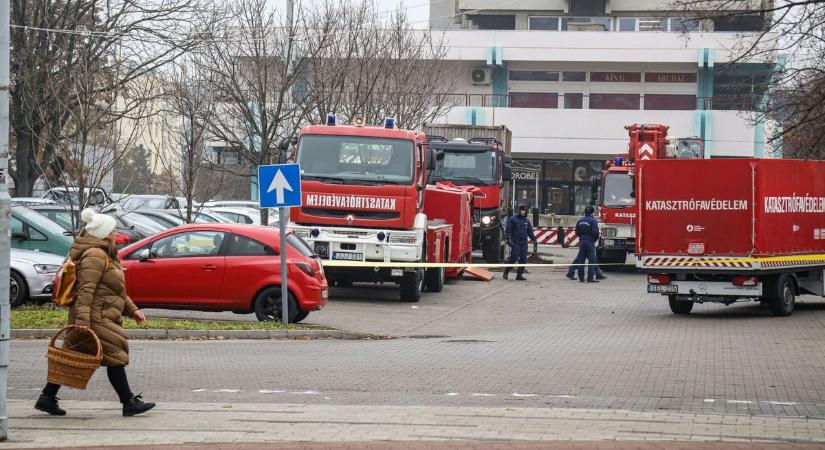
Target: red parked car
(224, 267)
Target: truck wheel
(782, 296)
(678, 305)
(492, 250)
(300, 316)
(434, 279)
(411, 285)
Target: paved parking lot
(548, 341)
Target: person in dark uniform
(517, 231)
(587, 229)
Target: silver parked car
(32, 274)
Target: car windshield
(467, 167)
(299, 244)
(42, 223)
(617, 190)
(62, 217)
(137, 202)
(356, 160)
(142, 223)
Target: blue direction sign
(279, 185)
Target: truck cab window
(618, 188)
(354, 159)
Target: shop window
(543, 23)
(534, 100)
(573, 101)
(526, 175)
(584, 170)
(574, 76)
(614, 101)
(669, 102)
(533, 75)
(558, 170)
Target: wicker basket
(72, 368)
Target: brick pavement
(476, 445)
(92, 423)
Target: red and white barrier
(547, 235)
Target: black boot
(48, 404)
(135, 406)
(520, 277)
(506, 273)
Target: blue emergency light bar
(331, 119)
(618, 161)
(389, 122)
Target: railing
(582, 101)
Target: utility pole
(5, 217)
(283, 213)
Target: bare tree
(379, 67)
(254, 65)
(57, 42)
(794, 94)
(181, 147)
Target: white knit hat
(97, 225)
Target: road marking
(562, 396)
(710, 400)
(451, 394)
(267, 391)
(783, 403)
(516, 394)
(198, 390)
(483, 395)
(227, 391)
(740, 402)
(306, 393)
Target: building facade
(566, 76)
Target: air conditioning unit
(480, 76)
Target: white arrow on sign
(278, 184)
(645, 152)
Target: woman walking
(99, 304)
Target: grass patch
(46, 317)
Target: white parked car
(232, 204)
(242, 215)
(31, 275)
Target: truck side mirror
(431, 158)
(507, 171)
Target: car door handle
(209, 268)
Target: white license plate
(324, 294)
(348, 256)
(609, 242)
(662, 289)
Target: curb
(40, 333)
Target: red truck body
(722, 229)
(366, 201)
(617, 208)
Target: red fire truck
(366, 199)
(725, 230)
(617, 207)
(482, 163)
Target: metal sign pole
(282, 218)
(5, 217)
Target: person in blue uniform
(587, 229)
(518, 231)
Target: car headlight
(46, 268)
(486, 220)
(608, 232)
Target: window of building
(527, 176)
(543, 23)
(533, 75)
(534, 100)
(585, 23)
(679, 24)
(652, 24)
(614, 101)
(745, 22)
(574, 76)
(670, 102)
(573, 100)
(626, 24)
(558, 170)
(739, 91)
(587, 7)
(493, 21)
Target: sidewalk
(92, 423)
